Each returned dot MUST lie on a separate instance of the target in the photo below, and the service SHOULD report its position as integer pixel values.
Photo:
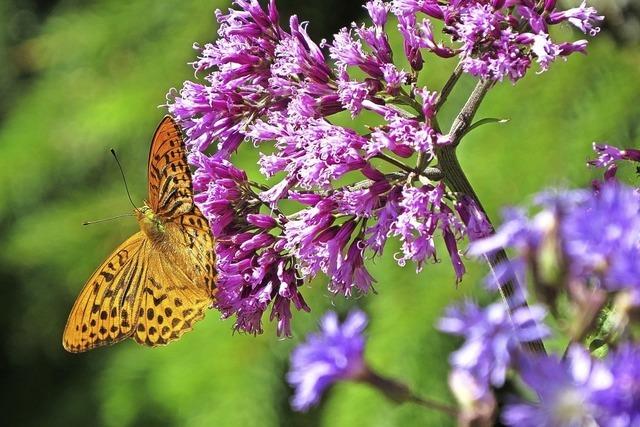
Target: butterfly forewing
(105, 311)
(170, 192)
(198, 241)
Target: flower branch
(457, 181)
(448, 86)
(401, 393)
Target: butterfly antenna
(126, 187)
(106, 219)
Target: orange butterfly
(159, 282)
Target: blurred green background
(79, 77)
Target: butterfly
(160, 281)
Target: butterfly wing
(106, 310)
(170, 192)
(173, 299)
(171, 197)
(152, 290)
(181, 274)
(196, 238)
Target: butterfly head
(150, 223)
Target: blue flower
(620, 404)
(334, 354)
(491, 337)
(565, 389)
(602, 237)
(594, 235)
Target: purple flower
(255, 272)
(376, 37)
(407, 27)
(253, 67)
(565, 390)
(546, 51)
(477, 23)
(492, 338)
(582, 17)
(351, 92)
(334, 354)
(497, 39)
(609, 155)
(239, 63)
(394, 78)
(381, 229)
(348, 51)
(362, 202)
(313, 152)
(619, 405)
(421, 213)
(352, 272)
(477, 223)
(306, 236)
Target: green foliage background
(79, 78)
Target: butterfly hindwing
(170, 192)
(105, 311)
(172, 302)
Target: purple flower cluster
(585, 243)
(255, 271)
(494, 39)
(331, 201)
(334, 354)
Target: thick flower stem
(448, 86)
(401, 393)
(464, 118)
(457, 181)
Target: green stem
(433, 174)
(457, 181)
(448, 86)
(401, 393)
(406, 99)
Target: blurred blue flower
(491, 337)
(594, 235)
(565, 389)
(334, 354)
(602, 237)
(620, 404)
(477, 403)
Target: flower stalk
(457, 181)
(401, 393)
